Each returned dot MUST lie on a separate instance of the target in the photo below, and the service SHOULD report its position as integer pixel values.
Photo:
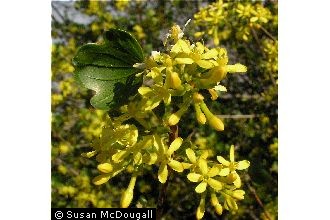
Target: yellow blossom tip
(216, 123)
(105, 167)
(100, 179)
(173, 119)
(236, 68)
(175, 80)
(127, 196)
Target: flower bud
(175, 80)
(176, 33)
(173, 119)
(216, 123)
(214, 199)
(218, 209)
(105, 167)
(238, 194)
(213, 120)
(199, 114)
(127, 196)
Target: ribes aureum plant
(146, 99)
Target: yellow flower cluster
(138, 32)
(271, 55)
(221, 19)
(221, 180)
(184, 70)
(121, 5)
(212, 17)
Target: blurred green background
(247, 29)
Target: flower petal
(162, 173)
(237, 181)
(191, 155)
(223, 161)
(232, 153)
(205, 64)
(238, 194)
(100, 179)
(119, 156)
(201, 187)
(137, 158)
(242, 165)
(194, 177)
(253, 19)
(144, 90)
(202, 164)
(220, 88)
(186, 165)
(175, 145)
(236, 68)
(231, 203)
(159, 145)
(181, 46)
(224, 171)
(215, 184)
(176, 165)
(213, 171)
(210, 54)
(184, 60)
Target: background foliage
(247, 29)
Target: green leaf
(108, 68)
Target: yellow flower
(165, 156)
(154, 95)
(231, 166)
(205, 177)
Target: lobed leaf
(108, 68)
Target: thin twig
(267, 33)
(254, 192)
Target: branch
(254, 192)
(267, 33)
